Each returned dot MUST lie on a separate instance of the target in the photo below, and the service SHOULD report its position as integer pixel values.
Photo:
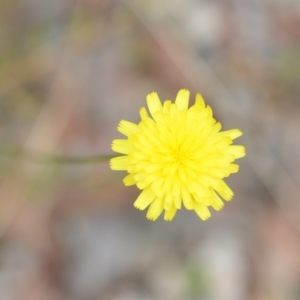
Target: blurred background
(70, 70)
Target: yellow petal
(144, 199)
(168, 205)
(177, 202)
(120, 163)
(199, 101)
(233, 168)
(187, 199)
(143, 113)
(236, 150)
(216, 202)
(225, 191)
(173, 111)
(182, 99)
(127, 128)
(202, 211)
(166, 107)
(122, 146)
(233, 133)
(169, 214)
(129, 180)
(154, 103)
(155, 209)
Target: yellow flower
(178, 155)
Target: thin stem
(34, 156)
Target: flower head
(176, 156)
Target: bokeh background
(69, 71)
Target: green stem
(8, 152)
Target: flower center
(178, 155)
